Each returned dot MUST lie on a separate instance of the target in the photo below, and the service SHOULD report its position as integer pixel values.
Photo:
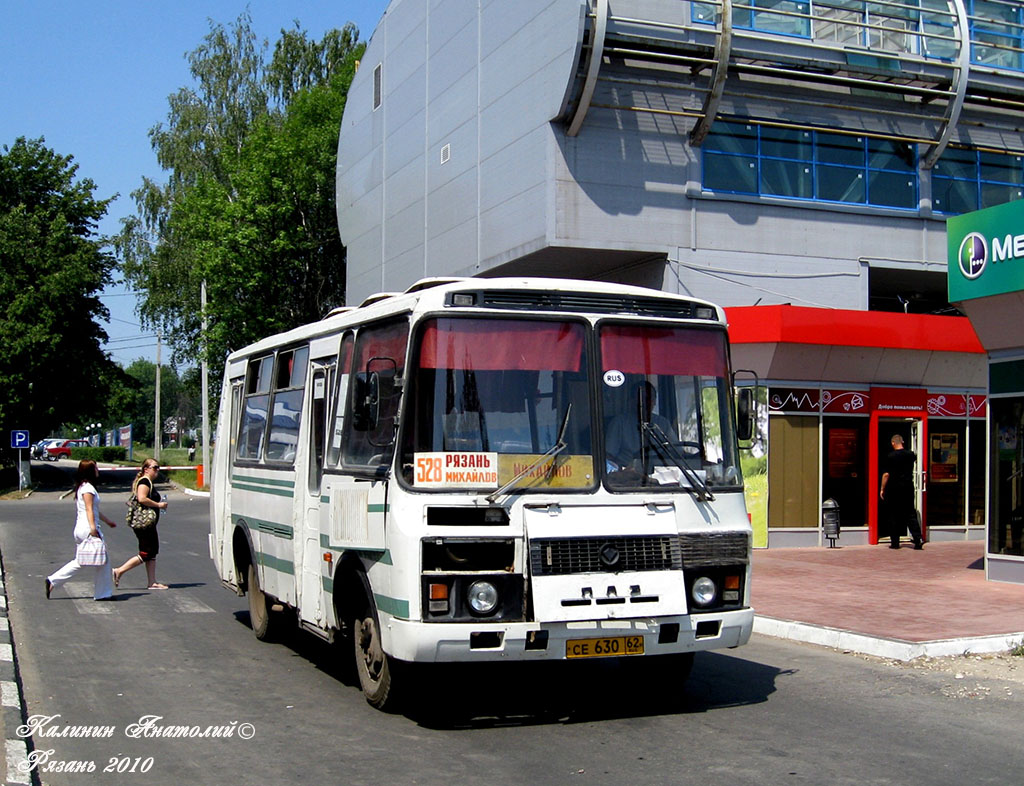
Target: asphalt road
(771, 712)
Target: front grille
(702, 549)
(588, 302)
(566, 556)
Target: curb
(897, 649)
(13, 717)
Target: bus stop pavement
(892, 603)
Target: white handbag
(91, 552)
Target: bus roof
(514, 294)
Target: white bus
(489, 470)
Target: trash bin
(830, 521)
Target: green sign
(986, 252)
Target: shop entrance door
(913, 430)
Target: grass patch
(1017, 649)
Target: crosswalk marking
(185, 604)
(9, 694)
(16, 753)
(81, 595)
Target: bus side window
(286, 410)
(319, 410)
(236, 416)
(379, 363)
(253, 427)
(340, 401)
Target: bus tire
(376, 669)
(264, 621)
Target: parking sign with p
(19, 438)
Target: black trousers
(902, 518)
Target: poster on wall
(842, 453)
(945, 458)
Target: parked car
(38, 450)
(62, 448)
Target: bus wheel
(375, 668)
(263, 620)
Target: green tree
(248, 206)
(179, 398)
(53, 266)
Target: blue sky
(93, 77)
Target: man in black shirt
(898, 494)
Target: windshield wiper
(669, 452)
(550, 453)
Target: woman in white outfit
(87, 503)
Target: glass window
(735, 138)
(791, 143)
(840, 184)
(1001, 168)
(966, 180)
(666, 408)
(785, 17)
(730, 173)
(501, 389)
(341, 402)
(996, 33)
(255, 406)
(891, 155)
(840, 149)
(954, 196)
(373, 409)
(787, 178)
(1006, 511)
(839, 22)
(892, 189)
(705, 13)
(812, 165)
(286, 409)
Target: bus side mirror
(746, 414)
(361, 420)
(381, 389)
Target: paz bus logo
(973, 255)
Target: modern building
(801, 156)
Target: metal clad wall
(403, 213)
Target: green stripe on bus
(261, 490)
(290, 484)
(270, 527)
(275, 563)
(393, 606)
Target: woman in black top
(149, 545)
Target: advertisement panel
(986, 252)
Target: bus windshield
(487, 398)
(665, 408)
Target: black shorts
(149, 543)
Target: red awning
(846, 328)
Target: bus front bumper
(529, 641)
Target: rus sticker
(614, 378)
(456, 470)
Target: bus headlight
(704, 591)
(482, 597)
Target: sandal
(117, 578)
(158, 585)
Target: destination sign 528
(456, 469)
